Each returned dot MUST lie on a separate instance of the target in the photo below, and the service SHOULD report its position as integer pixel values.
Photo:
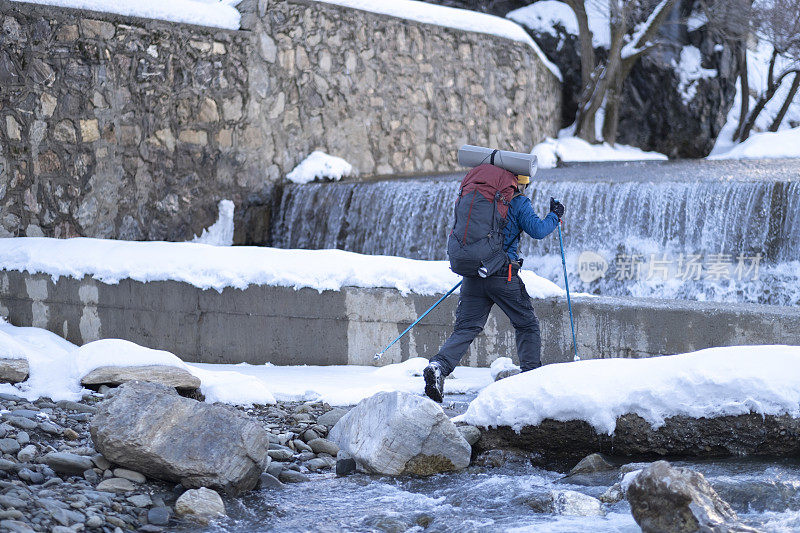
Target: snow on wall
(690, 72)
(319, 165)
(213, 267)
(461, 19)
(213, 13)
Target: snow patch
(575, 150)
(501, 364)
(321, 166)
(450, 17)
(56, 367)
(410, 368)
(627, 479)
(784, 143)
(708, 383)
(690, 72)
(543, 16)
(349, 384)
(221, 232)
(214, 13)
(696, 21)
(214, 267)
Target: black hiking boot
(434, 382)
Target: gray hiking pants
(476, 300)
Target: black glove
(557, 208)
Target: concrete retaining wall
(286, 326)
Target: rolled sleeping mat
(515, 162)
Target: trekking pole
(379, 354)
(566, 284)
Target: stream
(765, 494)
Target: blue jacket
(521, 217)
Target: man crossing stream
(491, 214)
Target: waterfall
(670, 219)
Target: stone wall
(387, 94)
(116, 127)
(119, 127)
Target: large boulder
(13, 370)
(397, 433)
(170, 376)
(667, 498)
(149, 428)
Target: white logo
(591, 266)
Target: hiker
(491, 198)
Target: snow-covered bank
(214, 13)
(570, 149)
(212, 267)
(57, 366)
(709, 383)
(784, 143)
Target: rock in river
(398, 433)
(667, 498)
(149, 428)
(200, 504)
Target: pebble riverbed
(52, 479)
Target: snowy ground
(348, 385)
(707, 383)
(569, 149)
(545, 15)
(57, 366)
(213, 267)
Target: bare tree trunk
(744, 88)
(604, 83)
(584, 125)
(763, 101)
(613, 96)
(776, 123)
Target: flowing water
(722, 231)
(764, 494)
